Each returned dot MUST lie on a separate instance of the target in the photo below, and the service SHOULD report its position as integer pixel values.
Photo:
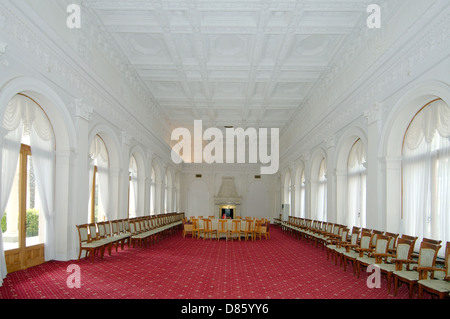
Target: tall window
(426, 173)
(132, 188)
(27, 192)
(152, 192)
(322, 192)
(303, 195)
(356, 183)
(99, 181)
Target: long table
(215, 225)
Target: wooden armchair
(374, 255)
(441, 286)
(427, 259)
(345, 246)
(333, 243)
(393, 262)
(351, 255)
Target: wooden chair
(441, 286)
(351, 255)
(334, 243)
(86, 243)
(373, 255)
(257, 231)
(116, 231)
(208, 231)
(187, 228)
(196, 229)
(265, 229)
(393, 262)
(249, 229)
(236, 228)
(222, 228)
(427, 259)
(346, 246)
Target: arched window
(27, 192)
(426, 173)
(302, 195)
(356, 186)
(99, 181)
(132, 187)
(322, 192)
(152, 192)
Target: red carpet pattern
(186, 268)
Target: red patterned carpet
(184, 268)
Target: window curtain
(152, 193)
(10, 157)
(100, 158)
(133, 187)
(426, 174)
(42, 148)
(302, 196)
(23, 117)
(322, 192)
(356, 184)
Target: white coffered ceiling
(247, 63)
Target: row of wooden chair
(394, 255)
(253, 229)
(97, 237)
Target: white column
(331, 180)
(374, 218)
(79, 176)
(122, 179)
(64, 243)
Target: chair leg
(395, 285)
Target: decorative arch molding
(300, 168)
(51, 103)
(112, 143)
(403, 112)
(138, 153)
(345, 144)
(316, 157)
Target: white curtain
(23, 117)
(42, 148)
(302, 196)
(322, 193)
(100, 158)
(426, 174)
(152, 193)
(356, 186)
(133, 187)
(10, 156)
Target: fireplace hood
(227, 195)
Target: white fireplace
(227, 199)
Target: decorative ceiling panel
(234, 62)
